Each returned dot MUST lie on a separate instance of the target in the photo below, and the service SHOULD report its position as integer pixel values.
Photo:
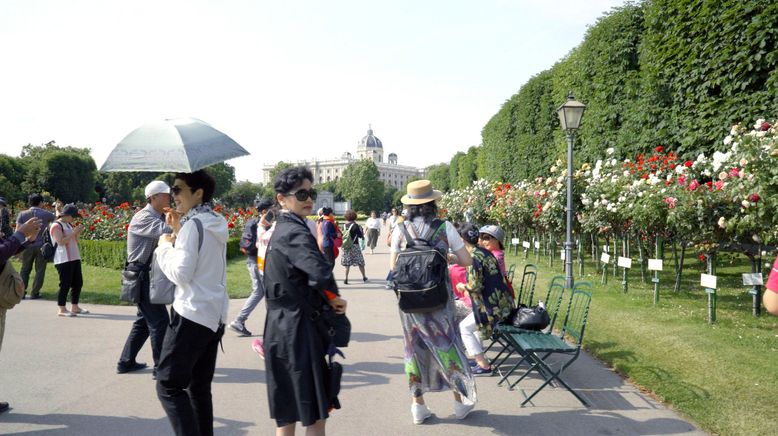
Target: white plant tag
(753, 279)
(708, 281)
(624, 262)
(515, 241)
(605, 258)
(525, 244)
(655, 264)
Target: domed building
(369, 147)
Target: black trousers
(70, 278)
(184, 375)
(30, 256)
(152, 322)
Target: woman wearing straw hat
(434, 355)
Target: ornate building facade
(369, 147)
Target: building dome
(370, 140)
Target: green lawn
(102, 285)
(722, 376)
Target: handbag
(49, 247)
(529, 318)
(11, 287)
(161, 289)
(133, 275)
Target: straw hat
(420, 192)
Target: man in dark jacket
(9, 246)
(248, 246)
(32, 252)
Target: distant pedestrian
(352, 253)
(372, 229)
(151, 320)
(188, 357)
(327, 234)
(298, 279)
(32, 252)
(67, 260)
(248, 246)
(9, 246)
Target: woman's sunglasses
(485, 237)
(303, 194)
(175, 190)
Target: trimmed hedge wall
(112, 254)
(677, 73)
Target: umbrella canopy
(177, 145)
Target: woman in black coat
(297, 279)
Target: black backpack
(420, 273)
(49, 247)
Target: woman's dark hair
(429, 211)
(350, 215)
(200, 179)
(291, 178)
(469, 233)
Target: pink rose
(694, 185)
(754, 198)
(681, 180)
(734, 172)
(765, 126)
(719, 185)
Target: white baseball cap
(157, 187)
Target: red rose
(688, 164)
(754, 197)
(659, 149)
(709, 184)
(765, 126)
(91, 228)
(230, 225)
(702, 257)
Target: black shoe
(240, 328)
(345, 282)
(364, 279)
(123, 368)
(3, 406)
(34, 297)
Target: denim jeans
(257, 292)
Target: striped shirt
(146, 226)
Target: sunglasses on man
(303, 194)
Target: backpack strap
(408, 237)
(435, 226)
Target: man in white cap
(146, 226)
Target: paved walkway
(58, 374)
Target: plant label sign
(515, 241)
(605, 258)
(753, 279)
(537, 244)
(525, 244)
(708, 281)
(655, 264)
(624, 262)
(562, 254)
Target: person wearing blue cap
(248, 246)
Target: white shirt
(65, 252)
(200, 274)
(419, 228)
(373, 223)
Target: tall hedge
(677, 73)
(112, 254)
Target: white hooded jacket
(200, 275)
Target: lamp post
(570, 114)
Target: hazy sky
(288, 80)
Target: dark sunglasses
(485, 237)
(303, 194)
(175, 190)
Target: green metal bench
(537, 348)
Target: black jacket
(295, 273)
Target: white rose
(746, 204)
(743, 162)
(727, 140)
(723, 223)
(609, 151)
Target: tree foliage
(362, 186)
(242, 194)
(664, 72)
(439, 176)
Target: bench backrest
(577, 313)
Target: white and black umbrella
(177, 145)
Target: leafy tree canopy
(361, 185)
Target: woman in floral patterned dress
(434, 355)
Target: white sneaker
(461, 410)
(420, 413)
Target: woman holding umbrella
(297, 279)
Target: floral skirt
(435, 359)
(352, 256)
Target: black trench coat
(295, 271)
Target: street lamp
(570, 114)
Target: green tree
(330, 186)
(69, 176)
(389, 200)
(361, 185)
(12, 172)
(224, 174)
(242, 194)
(439, 176)
(118, 187)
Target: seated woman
(492, 300)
